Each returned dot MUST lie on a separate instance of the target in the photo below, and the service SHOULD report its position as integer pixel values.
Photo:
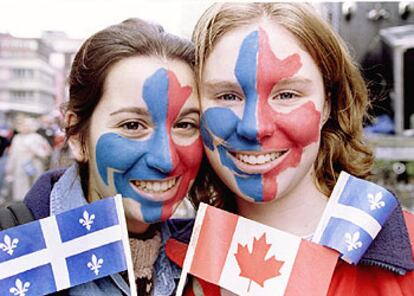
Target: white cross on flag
(249, 258)
(356, 211)
(65, 250)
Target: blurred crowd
(29, 147)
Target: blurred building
(27, 80)
(63, 53)
(33, 73)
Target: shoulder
(349, 279)
(38, 197)
(409, 221)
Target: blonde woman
(282, 111)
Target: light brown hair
(342, 145)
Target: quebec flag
(355, 213)
(65, 250)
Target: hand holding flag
(65, 250)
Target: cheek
(300, 126)
(190, 156)
(220, 122)
(114, 151)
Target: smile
(257, 163)
(160, 190)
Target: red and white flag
(249, 258)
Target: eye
(229, 97)
(186, 125)
(285, 95)
(132, 125)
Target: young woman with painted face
(282, 112)
(133, 127)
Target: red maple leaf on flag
(254, 266)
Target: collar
(391, 249)
(67, 193)
(166, 273)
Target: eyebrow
(136, 110)
(294, 80)
(216, 85)
(189, 111)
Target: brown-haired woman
(132, 125)
(282, 111)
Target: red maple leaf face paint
(279, 127)
(288, 133)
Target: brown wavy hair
(93, 61)
(342, 145)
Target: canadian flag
(249, 258)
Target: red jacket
(347, 280)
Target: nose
(161, 154)
(247, 127)
(266, 124)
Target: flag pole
(191, 248)
(125, 242)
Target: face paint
(261, 128)
(129, 163)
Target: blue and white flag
(355, 213)
(65, 250)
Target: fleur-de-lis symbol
(9, 244)
(87, 220)
(353, 241)
(375, 201)
(20, 289)
(95, 264)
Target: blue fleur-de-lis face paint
(156, 159)
(254, 127)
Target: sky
(82, 18)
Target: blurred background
(38, 40)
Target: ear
(75, 145)
(326, 109)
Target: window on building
(23, 73)
(22, 96)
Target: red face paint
(294, 130)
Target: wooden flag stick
(191, 248)
(125, 242)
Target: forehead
(281, 41)
(126, 78)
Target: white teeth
(164, 186)
(258, 159)
(155, 186)
(261, 159)
(252, 159)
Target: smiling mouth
(256, 162)
(156, 190)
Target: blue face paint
(140, 159)
(238, 134)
